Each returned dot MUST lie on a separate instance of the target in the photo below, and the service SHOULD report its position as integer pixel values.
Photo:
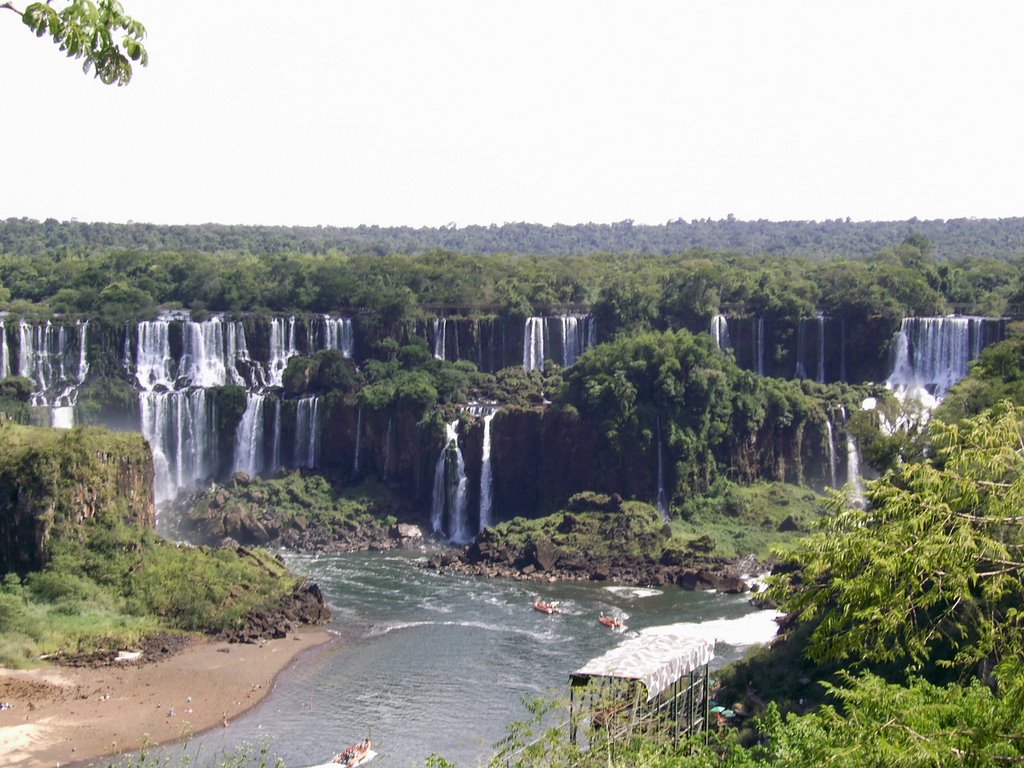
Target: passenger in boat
(353, 753)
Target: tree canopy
(930, 573)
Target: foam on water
(755, 628)
(635, 592)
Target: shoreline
(63, 716)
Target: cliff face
(54, 482)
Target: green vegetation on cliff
(84, 567)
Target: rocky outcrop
(55, 482)
(304, 605)
(250, 512)
(695, 574)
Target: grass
(736, 522)
(749, 520)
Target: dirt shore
(59, 715)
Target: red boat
(548, 608)
(612, 623)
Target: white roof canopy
(656, 660)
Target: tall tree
(931, 573)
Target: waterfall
(5, 355)
(440, 329)
(801, 338)
(533, 344)
(821, 348)
(203, 359)
(282, 347)
(181, 429)
(934, 353)
(449, 497)
(235, 350)
(153, 364)
(357, 461)
(720, 331)
(56, 363)
(389, 439)
(486, 480)
(307, 433)
(830, 447)
(176, 416)
(853, 479)
(338, 334)
(275, 447)
(572, 343)
(249, 437)
(662, 503)
(842, 350)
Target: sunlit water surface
(427, 663)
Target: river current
(433, 663)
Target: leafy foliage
(88, 30)
(930, 572)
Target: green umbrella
(716, 710)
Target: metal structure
(654, 686)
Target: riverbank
(58, 715)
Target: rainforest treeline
(626, 292)
(951, 238)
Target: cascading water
(486, 478)
(357, 461)
(440, 332)
(801, 340)
(249, 437)
(572, 343)
(154, 366)
(5, 354)
(575, 333)
(275, 447)
(821, 348)
(203, 359)
(662, 503)
(176, 417)
(389, 456)
(934, 353)
(337, 334)
(56, 363)
(282, 348)
(533, 344)
(720, 331)
(181, 429)
(237, 351)
(307, 433)
(854, 482)
(830, 447)
(448, 511)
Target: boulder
(703, 580)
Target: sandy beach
(54, 716)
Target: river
(430, 663)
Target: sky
(407, 112)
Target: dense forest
(951, 238)
(672, 373)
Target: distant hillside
(950, 239)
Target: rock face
(52, 482)
(305, 605)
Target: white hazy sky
(410, 112)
